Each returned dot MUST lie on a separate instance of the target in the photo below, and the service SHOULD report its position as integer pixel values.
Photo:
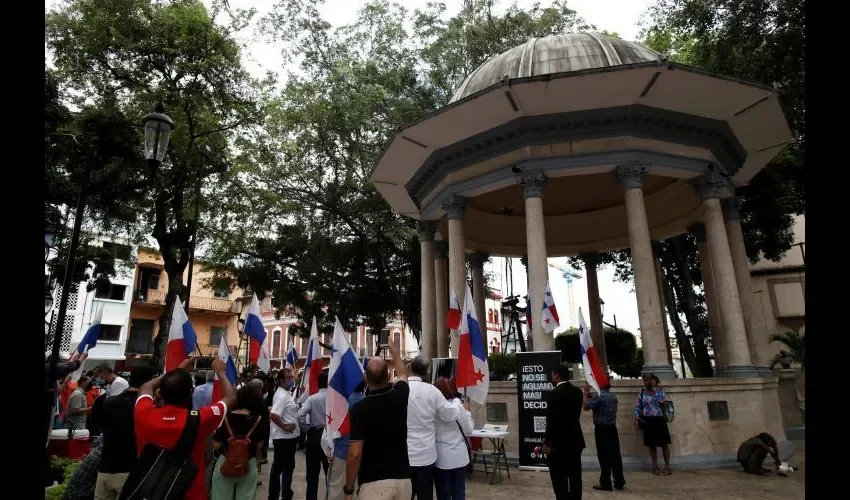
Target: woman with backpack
(239, 446)
(651, 418)
(452, 448)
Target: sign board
(533, 386)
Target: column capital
(712, 185)
(732, 208)
(698, 230)
(455, 207)
(477, 259)
(441, 249)
(533, 185)
(427, 228)
(630, 175)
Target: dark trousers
(608, 452)
(315, 457)
(451, 483)
(754, 463)
(422, 480)
(283, 465)
(565, 471)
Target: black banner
(533, 384)
(443, 367)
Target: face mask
(99, 381)
(289, 384)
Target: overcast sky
(620, 16)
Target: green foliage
(624, 357)
(116, 59)
(502, 364)
(795, 352)
(67, 466)
(311, 228)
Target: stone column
(455, 209)
(476, 262)
(441, 304)
(429, 292)
(715, 322)
(711, 188)
(594, 306)
(630, 177)
(538, 267)
(753, 321)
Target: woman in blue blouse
(650, 417)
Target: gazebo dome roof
(555, 54)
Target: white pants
(336, 480)
(387, 489)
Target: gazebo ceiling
(573, 107)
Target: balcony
(196, 303)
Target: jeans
(422, 480)
(234, 488)
(610, 460)
(451, 483)
(283, 465)
(315, 457)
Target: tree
(321, 238)
(127, 55)
(624, 357)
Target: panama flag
(549, 318)
(345, 373)
(291, 358)
(89, 340)
(473, 374)
(255, 331)
(230, 369)
(181, 337)
(453, 316)
(312, 367)
(264, 362)
(596, 377)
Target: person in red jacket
(162, 425)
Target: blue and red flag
(230, 370)
(345, 373)
(255, 331)
(473, 374)
(312, 367)
(593, 371)
(181, 337)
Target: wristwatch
(347, 491)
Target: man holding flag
(604, 406)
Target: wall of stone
(753, 407)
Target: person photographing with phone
(649, 417)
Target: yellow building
(213, 313)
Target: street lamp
(158, 128)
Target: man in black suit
(564, 439)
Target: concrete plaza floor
(728, 484)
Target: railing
(157, 297)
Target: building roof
(555, 54)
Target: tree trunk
(688, 302)
(685, 348)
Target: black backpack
(161, 474)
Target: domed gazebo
(580, 143)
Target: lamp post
(157, 127)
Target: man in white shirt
(284, 433)
(316, 408)
(425, 406)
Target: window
(221, 293)
(496, 317)
(141, 336)
(112, 292)
(397, 341)
(489, 315)
(354, 338)
(110, 333)
(276, 344)
(118, 251)
(216, 334)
